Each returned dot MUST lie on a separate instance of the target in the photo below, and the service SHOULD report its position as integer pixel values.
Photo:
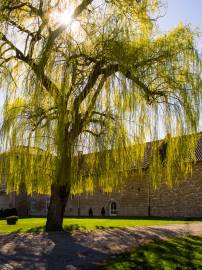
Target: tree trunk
(60, 188)
(56, 209)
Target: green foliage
(12, 220)
(102, 85)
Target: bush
(12, 220)
(1, 213)
(10, 212)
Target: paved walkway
(80, 250)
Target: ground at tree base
(81, 249)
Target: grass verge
(70, 224)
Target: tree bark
(60, 190)
(56, 209)
(61, 185)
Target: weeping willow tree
(93, 76)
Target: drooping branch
(94, 133)
(109, 115)
(149, 94)
(46, 82)
(83, 120)
(20, 27)
(6, 60)
(19, 54)
(107, 72)
(80, 8)
(96, 72)
(35, 36)
(21, 5)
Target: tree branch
(89, 85)
(104, 114)
(11, 8)
(93, 133)
(46, 82)
(6, 60)
(149, 95)
(20, 27)
(107, 72)
(57, 32)
(80, 121)
(19, 54)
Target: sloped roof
(199, 149)
(198, 152)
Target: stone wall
(184, 200)
(135, 199)
(132, 200)
(4, 200)
(22, 203)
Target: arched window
(113, 208)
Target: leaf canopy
(102, 82)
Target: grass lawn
(37, 224)
(177, 254)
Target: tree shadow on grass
(70, 253)
(67, 228)
(39, 229)
(176, 254)
(36, 229)
(88, 250)
(47, 251)
(73, 227)
(108, 227)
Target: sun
(64, 17)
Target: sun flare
(64, 17)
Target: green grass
(37, 224)
(176, 254)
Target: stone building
(136, 198)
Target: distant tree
(92, 76)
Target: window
(113, 209)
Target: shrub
(1, 213)
(12, 220)
(10, 212)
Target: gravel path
(80, 250)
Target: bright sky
(187, 11)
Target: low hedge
(4, 213)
